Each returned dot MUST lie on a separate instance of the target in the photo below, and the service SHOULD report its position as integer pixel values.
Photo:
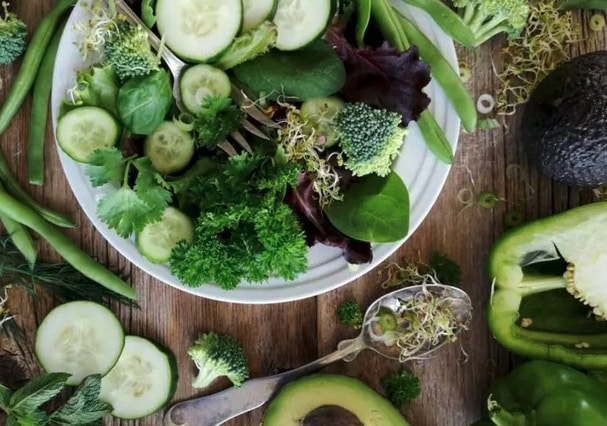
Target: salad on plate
(287, 128)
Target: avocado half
(564, 123)
(330, 399)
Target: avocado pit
(330, 415)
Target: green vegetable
(582, 4)
(546, 393)
(40, 102)
(143, 102)
(22, 240)
(373, 209)
(148, 14)
(127, 50)
(13, 33)
(363, 13)
(487, 18)
(129, 209)
(401, 388)
(219, 117)
(349, 313)
(60, 280)
(31, 62)
(21, 213)
(320, 73)
(23, 406)
(548, 287)
(488, 199)
(513, 218)
(370, 138)
(218, 355)
(597, 22)
(447, 19)
(248, 46)
(96, 86)
(244, 231)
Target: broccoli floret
(350, 314)
(486, 18)
(127, 50)
(218, 355)
(369, 137)
(402, 387)
(13, 32)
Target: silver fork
(176, 66)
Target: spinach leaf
(143, 102)
(311, 72)
(374, 209)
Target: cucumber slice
(80, 338)
(143, 380)
(169, 148)
(320, 115)
(84, 130)
(301, 22)
(200, 81)
(257, 11)
(198, 31)
(157, 239)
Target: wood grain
(290, 334)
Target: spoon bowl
(216, 409)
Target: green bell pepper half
(542, 393)
(549, 281)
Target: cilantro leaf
(218, 118)
(84, 407)
(150, 186)
(125, 212)
(39, 390)
(105, 166)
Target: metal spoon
(215, 409)
(176, 66)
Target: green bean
(444, 74)
(39, 116)
(73, 255)
(583, 4)
(363, 10)
(435, 139)
(31, 62)
(12, 185)
(21, 238)
(448, 20)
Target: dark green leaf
(84, 407)
(125, 212)
(143, 102)
(5, 397)
(98, 86)
(33, 418)
(38, 391)
(374, 209)
(150, 186)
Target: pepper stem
(532, 284)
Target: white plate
(423, 174)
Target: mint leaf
(5, 397)
(38, 391)
(33, 418)
(125, 212)
(105, 166)
(84, 407)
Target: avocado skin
(564, 123)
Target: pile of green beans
(19, 211)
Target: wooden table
(290, 334)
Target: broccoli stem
(533, 284)
(204, 378)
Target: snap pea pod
(31, 62)
(73, 255)
(448, 20)
(363, 17)
(444, 74)
(21, 239)
(433, 135)
(40, 101)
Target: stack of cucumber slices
(83, 338)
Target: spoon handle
(215, 409)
